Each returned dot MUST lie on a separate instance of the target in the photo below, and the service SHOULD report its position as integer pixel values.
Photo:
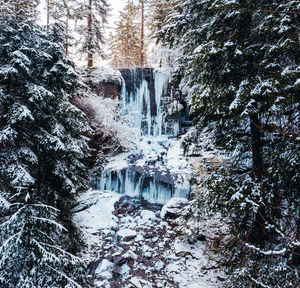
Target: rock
(127, 234)
(125, 269)
(139, 283)
(119, 260)
(159, 265)
(130, 255)
(117, 253)
(148, 254)
(173, 207)
(136, 282)
(147, 216)
(139, 238)
(103, 269)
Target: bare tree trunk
(90, 54)
(48, 13)
(66, 4)
(256, 146)
(258, 233)
(142, 35)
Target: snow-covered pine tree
(126, 40)
(61, 12)
(159, 12)
(92, 17)
(41, 154)
(241, 62)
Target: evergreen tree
(159, 12)
(93, 16)
(21, 10)
(41, 154)
(61, 12)
(126, 41)
(241, 60)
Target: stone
(127, 234)
(159, 266)
(103, 269)
(147, 216)
(130, 255)
(148, 254)
(173, 207)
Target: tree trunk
(90, 54)
(142, 35)
(48, 14)
(258, 233)
(256, 146)
(66, 4)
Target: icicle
(136, 104)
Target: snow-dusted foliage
(30, 255)
(241, 62)
(105, 117)
(42, 155)
(124, 43)
(91, 17)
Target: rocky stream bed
(135, 244)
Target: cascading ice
(148, 176)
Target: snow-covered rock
(103, 269)
(127, 234)
(147, 216)
(159, 265)
(156, 256)
(130, 255)
(173, 207)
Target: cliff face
(104, 81)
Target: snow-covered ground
(130, 245)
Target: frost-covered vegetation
(241, 64)
(236, 64)
(108, 122)
(42, 155)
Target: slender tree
(126, 40)
(93, 16)
(142, 3)
(61, 13)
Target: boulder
(172, 209)
(147, 216)
(103, 269)
(126, 234)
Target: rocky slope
(133, 243)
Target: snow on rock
(173, 207)
(146, 217)
(103, 269)
(127, 234)
(130, 255)
(139, 283)
(155, 256)
(98, 213)
(104, 75)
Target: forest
(149, 143)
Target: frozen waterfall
(148, 171)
